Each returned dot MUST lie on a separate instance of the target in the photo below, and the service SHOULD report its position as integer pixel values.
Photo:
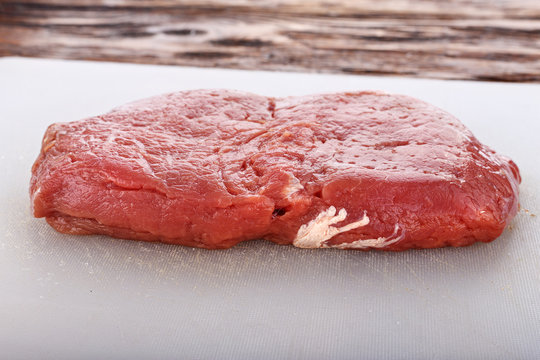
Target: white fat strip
(370, 243)
(315, 233)
(293, 186)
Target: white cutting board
(68, 297)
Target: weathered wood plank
(453, 39)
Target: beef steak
(211, 168)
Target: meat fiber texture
(212, 168)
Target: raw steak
(211, 168)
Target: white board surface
(93, 297)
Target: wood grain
(454, 39)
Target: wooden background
(451, 39)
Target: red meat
(211, 168)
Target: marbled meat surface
(211, 168)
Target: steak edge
(211, 168)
